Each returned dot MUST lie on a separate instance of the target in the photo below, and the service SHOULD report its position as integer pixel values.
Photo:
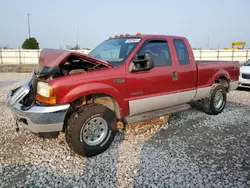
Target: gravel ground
(18, 68)
(191, 149)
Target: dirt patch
(18, 68)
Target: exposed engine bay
(72, 65)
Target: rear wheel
(91, 129)
(215, 102)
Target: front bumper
(37, 119)
(244, 82)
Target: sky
(56, 23)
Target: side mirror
(142, 63)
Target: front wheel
(215, 102)
(91, 129)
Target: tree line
(32, 43)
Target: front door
(146, 90)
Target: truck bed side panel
(209, 71)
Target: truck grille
(20, 93)
(245, 76)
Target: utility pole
(29, 24)
(77, 36)
(208, 43)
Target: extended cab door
(147, 90)
(186, 69)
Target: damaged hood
(54, 57)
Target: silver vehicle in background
(244, 78)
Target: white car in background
(244, 78)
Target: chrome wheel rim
(218, 99)
(94, 131)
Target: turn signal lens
(50, 100)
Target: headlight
(43, 89)
(45, 93)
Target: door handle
(175, 75)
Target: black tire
(208, 104)
(79, 119)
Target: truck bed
(208, 69)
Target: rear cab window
(182, 52)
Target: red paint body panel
(71, 87)
(209, 71)
(155, 82)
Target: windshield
(247, 63)
(114, 51)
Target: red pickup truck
(125, 78)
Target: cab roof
(146, 36)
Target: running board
(156, 113)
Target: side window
(181, 51)
(160, 52)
